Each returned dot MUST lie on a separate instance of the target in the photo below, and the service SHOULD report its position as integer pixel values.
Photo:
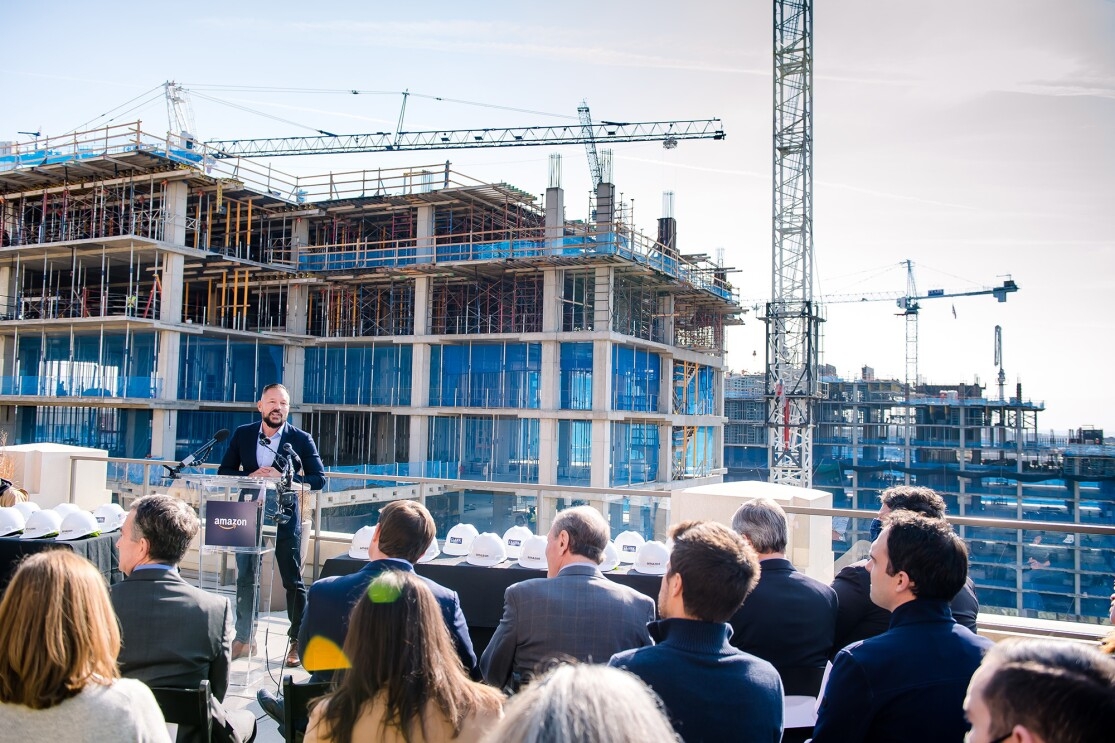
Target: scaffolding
(508, 303)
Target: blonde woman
(406, 682)
(58, 646)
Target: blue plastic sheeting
(358, 375)
(97, 365)
(576, 376)
(221, 370)
(574, 453)
(635, 379)
(499, 449)
(696, 459)
(490, 375)
(634, 453)
(195, 427)
(39, 158)
(697, 395)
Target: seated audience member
(574, 613)
(789, 618)
(712, 691)
(908, 683)
(1042, 691)
(58, 647)
(405, 530)
(10, 494)
(174, 635)
(405, 682)
(857, 618)
(584, 704)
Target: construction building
(986, 457)
(424, 322)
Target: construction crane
(792, 316)
(1002, 378)
(667, 132)
(590, 144)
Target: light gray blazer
(577, 614)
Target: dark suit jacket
(173, 634)
(907, 684)
(859, 618)
(330, 602)
(578, 614)
(240, 459)
(790, 621)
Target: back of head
(10, 494)
(587, 530)
(763, 522)
(575, 703)
(718, 568)
(406, 529)
(928, 551)
(912, 498)
(1060, 691)
(168, 524)
(398, 646)
(58, 631)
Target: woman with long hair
(406, 682)
(58, 645)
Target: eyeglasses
(876, 528)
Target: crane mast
(792, 316)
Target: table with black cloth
(100, 550)
(481, 589)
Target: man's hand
(266, 473)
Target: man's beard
(270, 416)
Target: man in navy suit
(252, 452)
(574, 613)
(405, 530)
(908, 683)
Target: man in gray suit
(173, 634)
(575, 612)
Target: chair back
(296, 698)
(187, 707)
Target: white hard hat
(431, 552)
(11, 522)
(627, 544)
(361, 541)
(611, 558)
(78, 525)
(26, 508)
(42, 523)
(534, 553)
(486, 550)
(651, 558)
(65, 509)
(110, 516)
(459, 540)
(513, 540)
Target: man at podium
(252, 452)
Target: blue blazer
(240, 459)
(330, 602)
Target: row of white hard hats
(528, 549)
(65, 522)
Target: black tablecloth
(481, 589)
(101, 551)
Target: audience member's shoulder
(853, 571)
(121, 694)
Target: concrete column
(174, 231)
(171, 280)
(421, 306)
(547, 451)
(665, 453)
(602, 299)
(294, 373)
(601, 376)
(299, 238)
(425, 245)
(666, 319)
(419, 399)
(164, 432)
(550, 378)
(666, 384)
(555, 218)
(601, 466)
(298, 309)
(605, 206)
(551, 300)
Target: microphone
(288, 450)
(207, 447)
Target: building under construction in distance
(985, 455)
(424, 323)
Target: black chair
(296, 698)
(187, 707)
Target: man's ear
(903, 582)
(563, 541)
(674, 584)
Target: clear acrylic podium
(237, 530)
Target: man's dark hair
(928, 551)
(273, 386)
(1060, 691)
(406, 529)
(587, 530)
(718, 568)
(168, 525)
(763, 522)
(912, 498)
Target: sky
(976, 139)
